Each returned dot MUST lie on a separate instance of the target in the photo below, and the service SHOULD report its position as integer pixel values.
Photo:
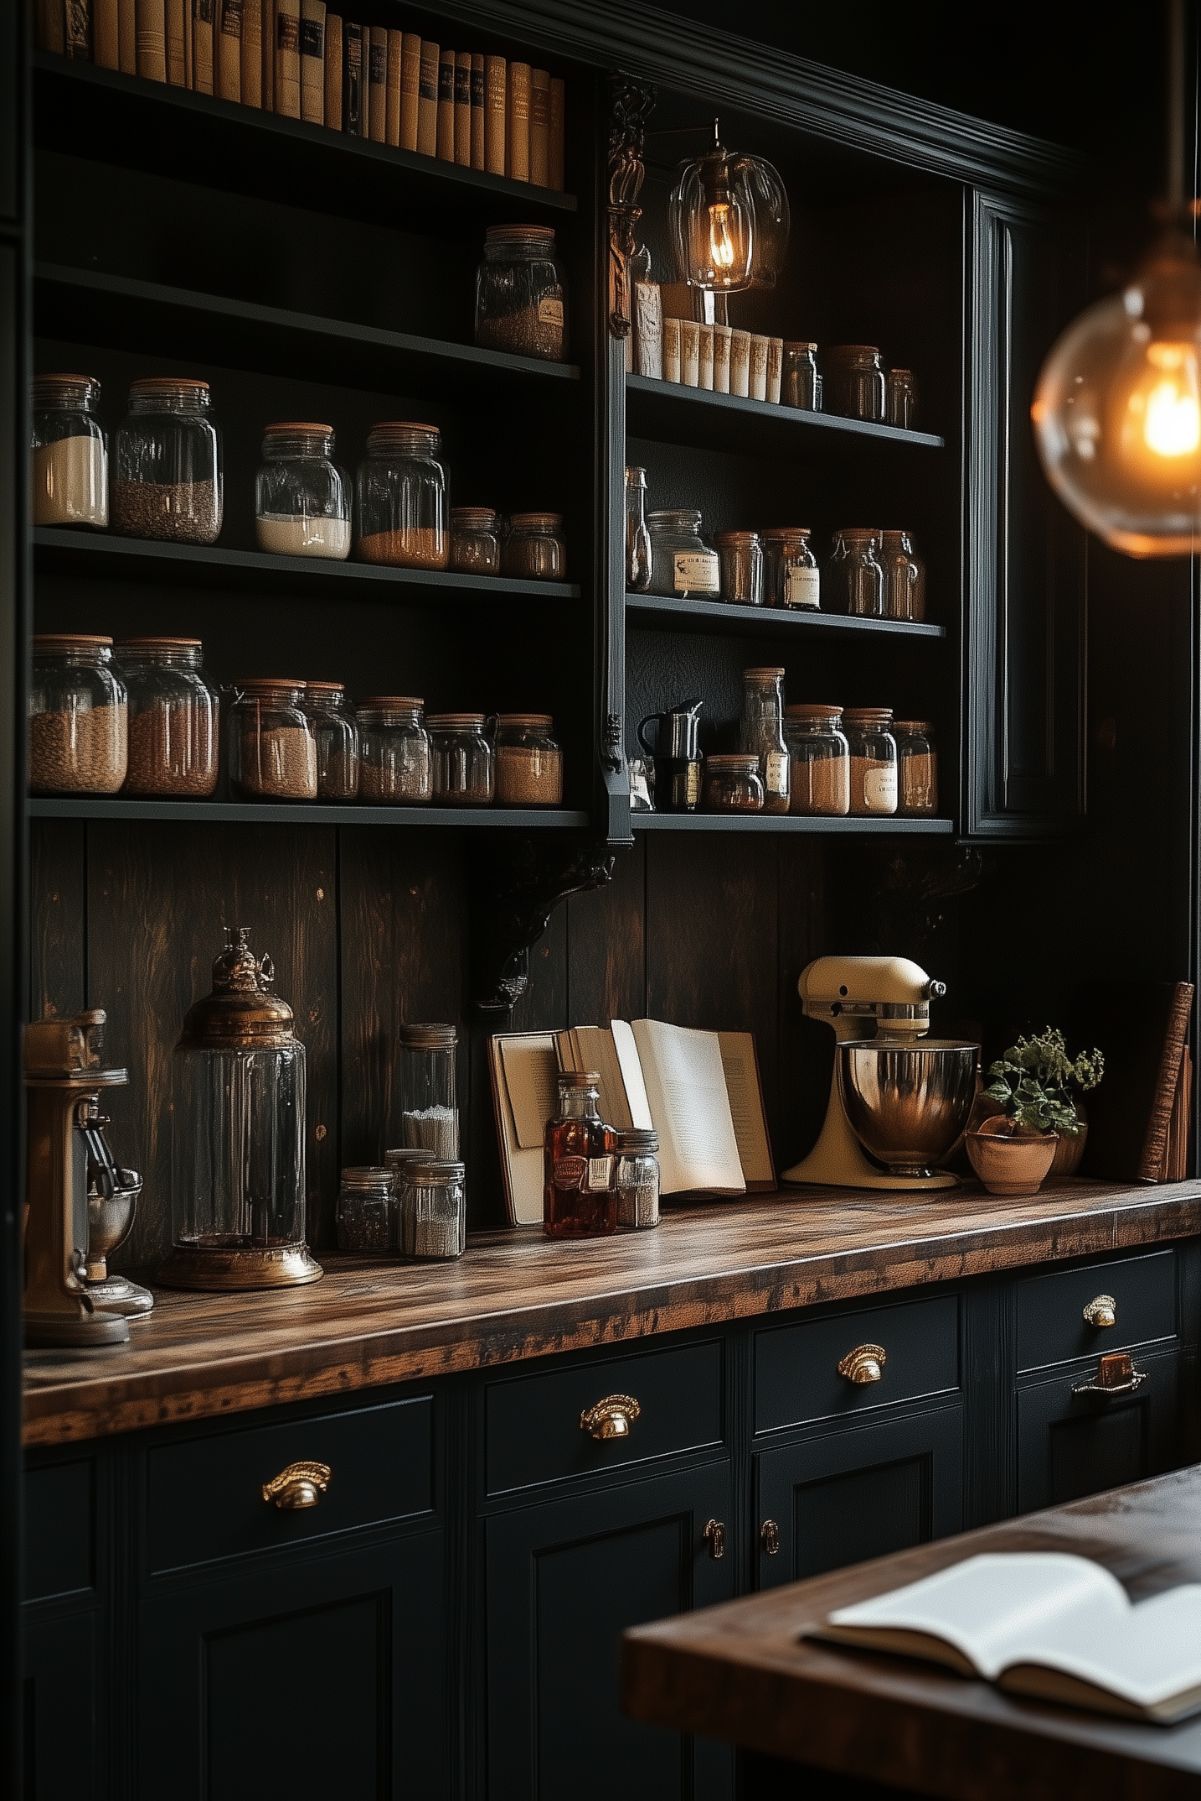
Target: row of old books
(303, 61)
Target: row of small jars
(413, 1206)
(841, 761)
(858, 386)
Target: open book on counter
(700, 1091)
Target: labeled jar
(733, 783)
(433, 1209)
(791, 577)
(637, 1179)
(762, 731)
(301, 497)
(395, 759)
(520, 296)
(78, 716)
(69, 453)
(873, 760)
(474, 541)
(272, 747)
(364, 1219)
(329, 713)
(463, 764)
(740, 561)
(403, 497)
(534, 549)
(529, 763)
(917, 764)
(801, 385)
(167, 463)
(638, 538)
(854, 577)
(819, 761)
(173, 718)
(855, 381)
(682, 564)
(900, 398)
(579, 1163)
(904, 577)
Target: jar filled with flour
(69, 453)
(301, 497)
(430, 1119)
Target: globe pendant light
(1117, 411)
(728, 216)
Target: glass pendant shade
(728, 217)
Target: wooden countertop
(517, 1294)
(744, 1673)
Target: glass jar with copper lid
(337, 734)
(733, 783)
(740, 560)
(520, 294)
(535, 549)
(529, 762)
(904, 577)
(394, 750)
(173, 717)
(917, 767)
(464, 767)
(167, 463)
(69, 452)
(873, 760)
(403, 497)
(271, 742)
(819, 760)
(854, 381)
(301, 497)
(474, 541)
(78, 716)
(791, 576)
(762, 731)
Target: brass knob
(864, 1364)
(715, 1538)
(1102, 1310)
(299, 1485)
(769, 1538)
(611, 1417)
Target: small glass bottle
(917, 763)
(520, 294)
(69, 460)
(329, 713)
(395, 758)
(403, 497)
(855, 382)
(272, 747)
(904, 577)
(78, 716)
(762, 730)
(873, 760)
(733, 783)
(433, 1209)
(637, 1179)
(900, 401)
(792, 579)
(682, 564)
(535, 549)
(802, 382)
(740, 558)
(173, 718)
(579, 1158)
(301, 497)
(474, 541)
(854, 578)
(167, 463)
(638, 538)
(464, 766)
(529, 762)
(364, 1212)
(430, 1109)
(819, 761)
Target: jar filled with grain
(167, 463)
(474, 541)
(173, 717)
(855, 382)
(329, 713)
(873, 760)
(403, 497)
(301, 497)
(682, 563)
(917, 759)
(272, 746)
(78, 716)
(464, 767)
(365, 1214)
(535, 549)
(433, 1210)
(529, 763)
(395, 765)
(637, 1179)
(520, 295)
(733, 783)
(762, 731)
(740, 560)
(791, 577)
(819, 760)
(904, 577)
(69, 452)
(854, 579)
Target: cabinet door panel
(1073, 1445)
(61, 1736)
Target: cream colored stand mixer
(896, 1093)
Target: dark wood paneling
(57, 941)
(606, 945)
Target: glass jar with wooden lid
(394, 750)
(464, 767)
(819, 760)
(69, 452)
(403, 497)
(328, 710)
(173, 717)
(733, 783)
(790, 570)
(917, 765)
(167, 463)
(855, 383)
(873, 760)
(272, 746)
(474, 541)
(740, 560)
(520, 294)
(529, 763)
(904, 577)
(301, 497)
(762, 730)
(78, 716)
(535, 549)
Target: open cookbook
(1045, 1624)
(699, 1090)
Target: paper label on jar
(599, 1178)
(694, 571)
(775, 772)
(570, 1172)
(880, 789)
(802, 585)
(550, 312)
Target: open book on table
(1045, 1624)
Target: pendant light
(1117, 411)
(728, 216)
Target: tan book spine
(189, 72)
(495, 113)
(50, 26)
(463, 108)
(410, 88)
(287, 58)
(127, 36)
(268, 83)
(152, 39)
(1175, 1037)
(229, 51)
(312, 61)
(392, 109)
(477, 110)
(446, 106)
(252, 52)
(105, 35)
(427, 99)
(540, 127)
(202, 46)
(77, 30)
(517, 134)
(558, 133)
(177, 54)
(375, 51)
(333, 71)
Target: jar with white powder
(430, 1111)
(301, 497)
(69, 453)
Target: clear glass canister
(819, 760)
(396, 1161)
(637, 1179)
(762, 730)
(904, 577)
(464, 767)
(69, 453)
(272, 746)
(78, 716)
(474, 541)
(638, 538)
(740, 559)
(403, 497)
(173, 717)
(433, 1209)
(854, 578)
(167, 463)
(535, 549)
(802, 382)
(328, 712)
(917, 758)
(529, 762)
(733, 783)
(365, 1215)
(682, 563)
(900, 401)
(430, 1109)
(395, 763)
(791, 577)
(855, 381)
(520, 295)
(873, 759)
(301, 497)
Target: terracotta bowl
(1008, 1165)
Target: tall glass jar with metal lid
(78, 716)
(854, 579)
(535, 548)
(433, 1209)
(328, 712)
(301, 497)
(819, 760)
(365, 1217)
(474, 541)
(802, 383)
(395, 762)
(855, 381)
(403, 497)
(873, 760)
(271, 741)
(917, 767)
(464, 764)
(762, 730)
(173, 717)
(520, 293)
(791, 577)
(429, 1107)
(167, 463)
(904, 577)
(69, 452)
(682, 563)
(637, 1179)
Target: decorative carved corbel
(513, 897)
(631, 104)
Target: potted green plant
(1031, 1085)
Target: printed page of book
(690, 1105)
(1148, 1654)
(741, 1066)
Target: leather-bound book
(410, 88)
(517, 144)
(312, 61)
(540, 127)
(427, 98)
(495, 114)
(333, 71)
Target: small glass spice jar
(802, 383)
(534, 549)
(167, 463)
(791, 577)
(428, 1088)
(638, 538)
(733, 783)
(364, 1217)
(520, 295)
(762, 730)
(474, 541)
(682, 564)
(433, 1209)
(69, 460)
(740, 559)
(917, 765)
(395, 760)
(173, 717)
(529, 763)
(464, 767)
(873, 760)
(329, 712)
(819, 759)
(854, 578)
(403, 497)
(272, 747)
(396, 1161)
(900, 398)
(78, 716)
(904, 577)
(301, 497)
(637, 1179)
(855, 381)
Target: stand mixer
(896, 1093)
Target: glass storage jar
(638, 538)
(301, 497)
(740, 560)
(430, 1109)
(855, 382)
(904, 577)
(173, 717)
(579, 1198)
(474, 541)
(529, 763)
(271, 743)
(78, 716)
(917, 761)
(403, 498)
(762, 730)
(433, 1209)
(819, 760)
(329, 714)
(364, 1218)
(733, 783)
(854, 578)
(534, 548)
(791, 577)
(873, 760)
(69, 452)
(464, 767)
(802, 383)
(682, 564)
(900, 401)
(167, 463)
(395, 763)
(637, 1179)
(520, 296)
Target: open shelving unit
(761, 824)
(668, 410)
(293, 813)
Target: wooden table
(745, 1673)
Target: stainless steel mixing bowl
(907, 1103)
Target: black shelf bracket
(630, 106)
(513, 894)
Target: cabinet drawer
(1051, 1327)
(532, 1424)
(60, 1529)
(797, 1377)
(205, 1495)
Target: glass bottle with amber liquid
(580, 1196)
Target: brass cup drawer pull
(299, 1485)
(769, 1538)
(1115, 1375)
(611, 1417)
(864, 1364)
(715, 1538)
(1101, 1311)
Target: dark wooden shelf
(743, 822)
(720, 616)
(673, 414)
(234, 812)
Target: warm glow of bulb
(721, 240)
(1169, 401)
